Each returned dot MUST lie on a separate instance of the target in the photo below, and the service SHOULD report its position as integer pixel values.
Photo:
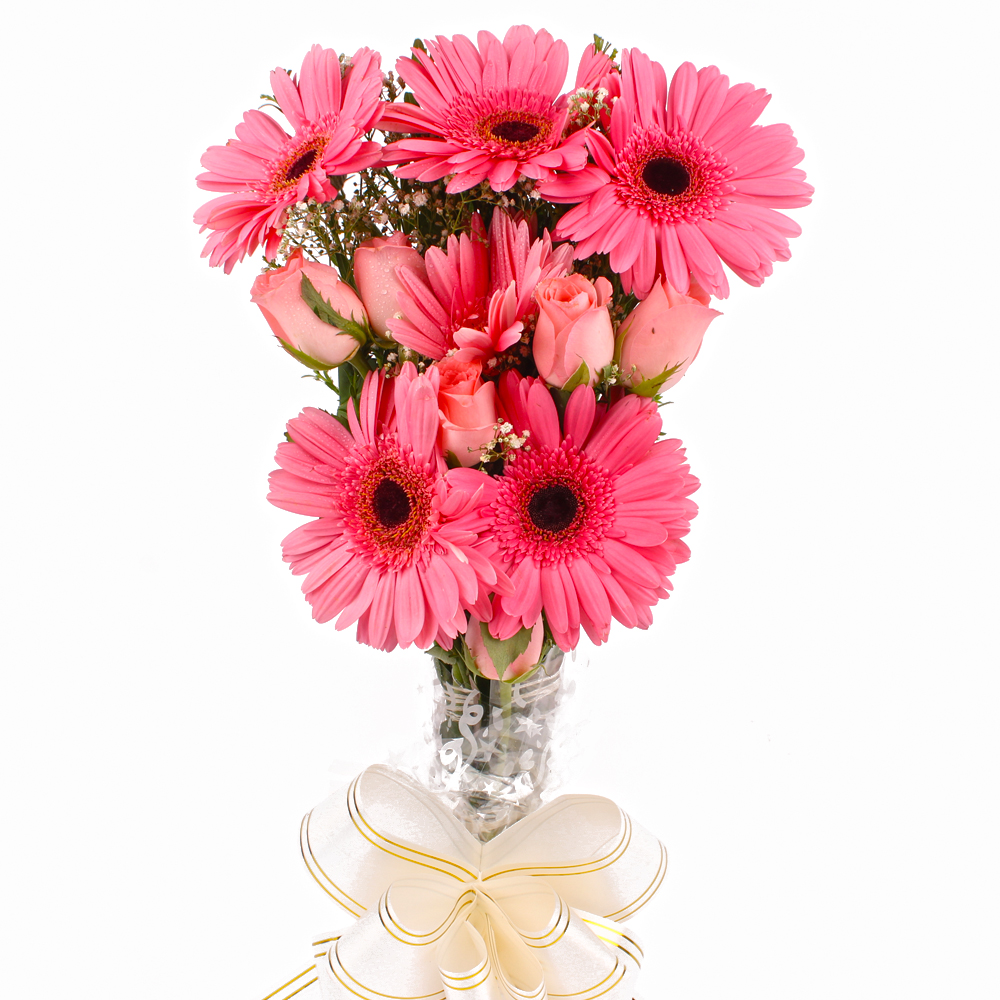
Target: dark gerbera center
(302, 165)
(552, 508)
(513, 130)
(390, 503)
(665, 175)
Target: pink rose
(664, 330)
(484, 662)
(375, 263)
(573, 328)
(278, 294)
(468, 409)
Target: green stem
(507, 710)
(460, 677)
(359, 364)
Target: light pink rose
(375, 263)
(484, 662)
(468, 409)
(664, 330)
(278, 294)
(573, 326)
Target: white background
(810, 725)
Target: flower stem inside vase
(493, 742)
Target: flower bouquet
(499, 280)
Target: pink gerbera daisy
(396, 546)
(588, 520)
(685, 180)
(265, 170)
(478, 292)
(494, 113)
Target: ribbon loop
(443, 917)
(357, 845)
(589, 848)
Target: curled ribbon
(534, 913)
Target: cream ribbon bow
(532, 914)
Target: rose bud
(520, 665)
(307, 338)
(375, 263)
(573, 329)
(467, 407)
(664, 331)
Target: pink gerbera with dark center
(588, 519)
(492, 113)
(685, 180)
(396, 546)
(265, 170)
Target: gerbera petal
(409, 606)
(267, 170)
(682, 97)
(575, 547)
(361, 599)
(440, 588)
(703, 261)
(397, 544)
(526, 601)
(712, 90)
(543, 416)
(568, 587)
(419, 427)
(380, 613)
(499, 103)
(287, 96)
(594, 604)
(319, 82)
(672, 259)
(554, 598)
(579, 416)
(641, 531)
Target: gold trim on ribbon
(288, 996)
(460, 904)
(593, 996)
(563, 909)
(291, 982)
(583, 867)
(462, 989)
(307, 855)
(617, 932)
(633, 850)
(499, 972)
(388, 996)
(353, 808)
(647, 893)
(461, 979)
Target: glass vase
(493, 742)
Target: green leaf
(580, 377)
(349, 384)
(623, 329)
(448, 656)
(318, 366)
(651, 386)
(503, 652)
(328, 314)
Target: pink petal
(543, 417)
(410, 606)
(579, 416)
